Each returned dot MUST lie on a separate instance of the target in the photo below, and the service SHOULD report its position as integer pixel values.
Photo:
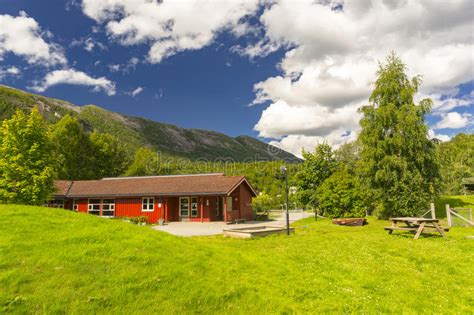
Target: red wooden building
(199, 198)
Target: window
(94, 206)
(75, 205)
(194, 207)
(184, 206)
(108, 207)
(229, 203)
(57, 203)
(148, 204)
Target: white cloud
(332, 57)
(13, 70)
(88, 43)
(170, 26)
(453, 120)
(137, 91)
(433, 135)
(74, 77)
(281, 119)
(10, 71)
(114, 67)
(23, 37)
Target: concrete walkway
(216, 228)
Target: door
(218, 214)
(184, 208)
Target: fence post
(433, 211)
(448, 215)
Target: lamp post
(285, 173)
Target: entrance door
(218, 213)
(184, 208)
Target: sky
(290, 72)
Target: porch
(197, 209)
(216, 228)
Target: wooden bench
(417, 225)
(237, 221)
(414, 228)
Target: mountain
(172, 140)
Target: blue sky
(291, 73)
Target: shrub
(138, 220)
(340, 196)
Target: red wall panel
(132, 207)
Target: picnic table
(417, 225)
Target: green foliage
(86, 156)
(457, 162)
(348, 154)
(73, 150)
(316, 168)
(111, 156)
(55, 261)
(263, 202)
(340, 196)
(454, 202)
(398, 163)
(26, 161)
(145, 162)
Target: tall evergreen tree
(26, 160)
(399, 162)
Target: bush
(262, 202)
(138, 220)
(340, 196)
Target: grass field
(56, 261)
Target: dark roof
(62, 187)
(172, 185)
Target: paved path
(216, 228)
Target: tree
(340, 196)
(110, 156)
(26, 160)
(74, 149)
(399, 163)
(262, 202)
(144, 163)
(316, 168)
(456, 162)
(348, 154)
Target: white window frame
(90, 206)
(180, 208)
(75, 205)
(111, 207)
(191, 204)
(150, 201)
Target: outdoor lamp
(285, 173)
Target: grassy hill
(136, 132)
(56, 261)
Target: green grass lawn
(56, 261)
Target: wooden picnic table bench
(417, 225)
